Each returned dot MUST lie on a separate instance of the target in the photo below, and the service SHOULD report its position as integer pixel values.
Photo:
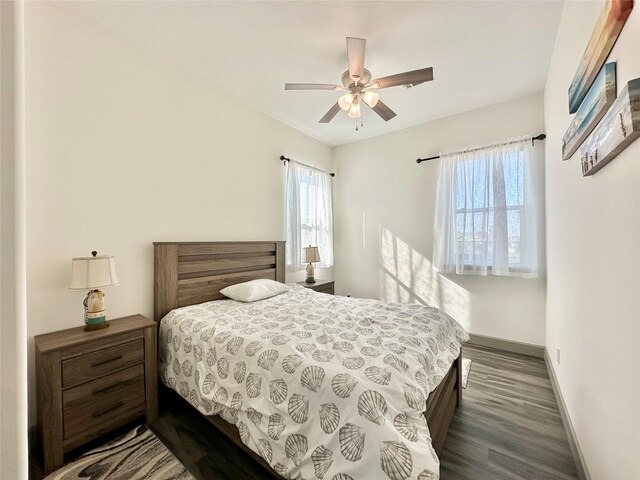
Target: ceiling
(482, 52)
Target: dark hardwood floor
(508, 427)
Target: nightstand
(89, 383)
(322, 286)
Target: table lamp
(91, 273)
(310, 254)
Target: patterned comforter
(320, 386)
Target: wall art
(618, 128)
(610, 22)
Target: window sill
(471, 270)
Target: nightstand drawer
(102, 401)
(325, 289)
(321, 286)
(87, 367)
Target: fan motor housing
(348, 83)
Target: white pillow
(254, 290)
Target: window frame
(499, 179)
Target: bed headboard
(186, 273)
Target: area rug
(466, 368)
(137, 455)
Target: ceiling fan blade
(412, 78)
(330, 114)
(355, 53)
(385, 112)
(312, 86)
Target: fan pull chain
(361, 122)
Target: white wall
(593, 261)
(384, 207)
(124, 150)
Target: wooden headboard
(186, 273)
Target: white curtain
(309, 215)
(485, 222)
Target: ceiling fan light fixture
(358, 85)
(354, 110)
(371, 98)
(345, 101)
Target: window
(309, 216)
(486, 212)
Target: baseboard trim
(507, 345)
(581, 466)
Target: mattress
(320, 386)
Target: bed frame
(187, 273)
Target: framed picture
(619, 127)
(600, 97)
(604, 36)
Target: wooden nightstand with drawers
(322, 286)
(89, 383)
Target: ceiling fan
(361, 88)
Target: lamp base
(94, 316)
(88, 327)
(310, 274)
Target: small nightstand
(89, 383)
(322, 286)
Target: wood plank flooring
(508, 427)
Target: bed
(187, 283)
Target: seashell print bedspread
(320, 386)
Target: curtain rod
(285, 159)
(542, 136)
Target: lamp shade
(371, 98)
(354, 110)
(93, 272)
(345, 101)
(311, 254)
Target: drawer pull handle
(108, 360)
(108, 409)
(104, 389)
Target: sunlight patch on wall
(408, 276)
